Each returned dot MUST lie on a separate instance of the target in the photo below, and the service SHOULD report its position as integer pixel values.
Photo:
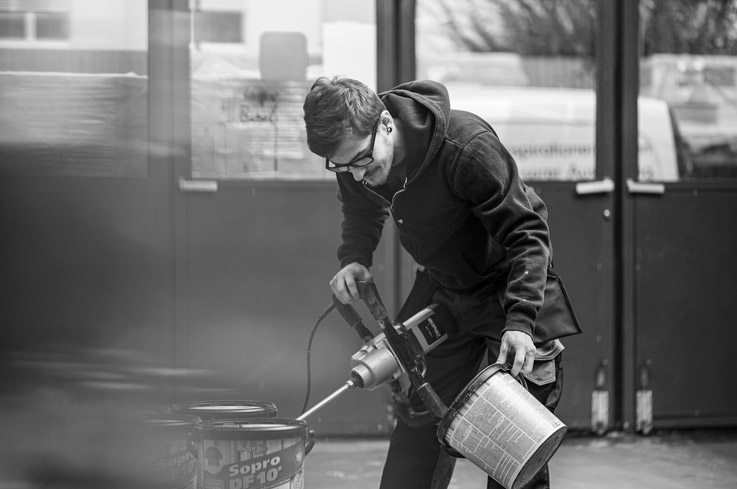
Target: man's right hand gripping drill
(343, 284)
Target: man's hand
(344, 283)
(521, 346)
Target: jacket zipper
(390, 204)
(397, 219)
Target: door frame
(617, 93)
(629, 80)
(169, 151)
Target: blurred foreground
(81, 418)
(664, 461)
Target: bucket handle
(507, 368)
(310, 443)
(192, 444)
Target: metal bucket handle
(310, 441)
(519, 378)
(192, 445)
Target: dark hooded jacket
(463, 212)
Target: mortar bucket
(207, 410)
(252, 453)
(171, 451)
(500, 427)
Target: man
(464, 214)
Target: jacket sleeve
(486, 175)
(363, 222)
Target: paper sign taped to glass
(245, 128)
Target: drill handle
(370, 296)
(351, 316)
(434, 411)
(432, 401)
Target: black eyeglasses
(359, 162)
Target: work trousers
(415, 459)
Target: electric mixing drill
(395, 356)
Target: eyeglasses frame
(344, 167)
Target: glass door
(530, 69)
(682, 200)
(261, 219)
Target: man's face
(358, 150)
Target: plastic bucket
(171, 451)
(501, 428)
(252, 453)
(207, 410)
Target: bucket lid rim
(226, 407)
(172, 420)
(228, 402)
(261, 427)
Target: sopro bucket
(171, 450)
(252, 453)
(206, 410)
(500, 427)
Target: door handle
(604, 186)
(197, 185)
(645, 188)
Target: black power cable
(322, 316)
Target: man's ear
(386, 119)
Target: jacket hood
(424, 109)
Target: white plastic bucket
(252, 453)
(171, 450)
(500, 427)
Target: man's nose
(357, 172)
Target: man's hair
(336, 108)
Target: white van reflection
(551, 131)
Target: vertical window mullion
(30, 23)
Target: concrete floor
(665, 461)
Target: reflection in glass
(248, 83)
(74, 88)
(525, 66)
(689, 61)
(52, 25)
(12, 25)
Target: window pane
(247, 96)
(52, 25)
(525, 66)
(74, 91)
(218, 27)
(689, 65)
(12, 25)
